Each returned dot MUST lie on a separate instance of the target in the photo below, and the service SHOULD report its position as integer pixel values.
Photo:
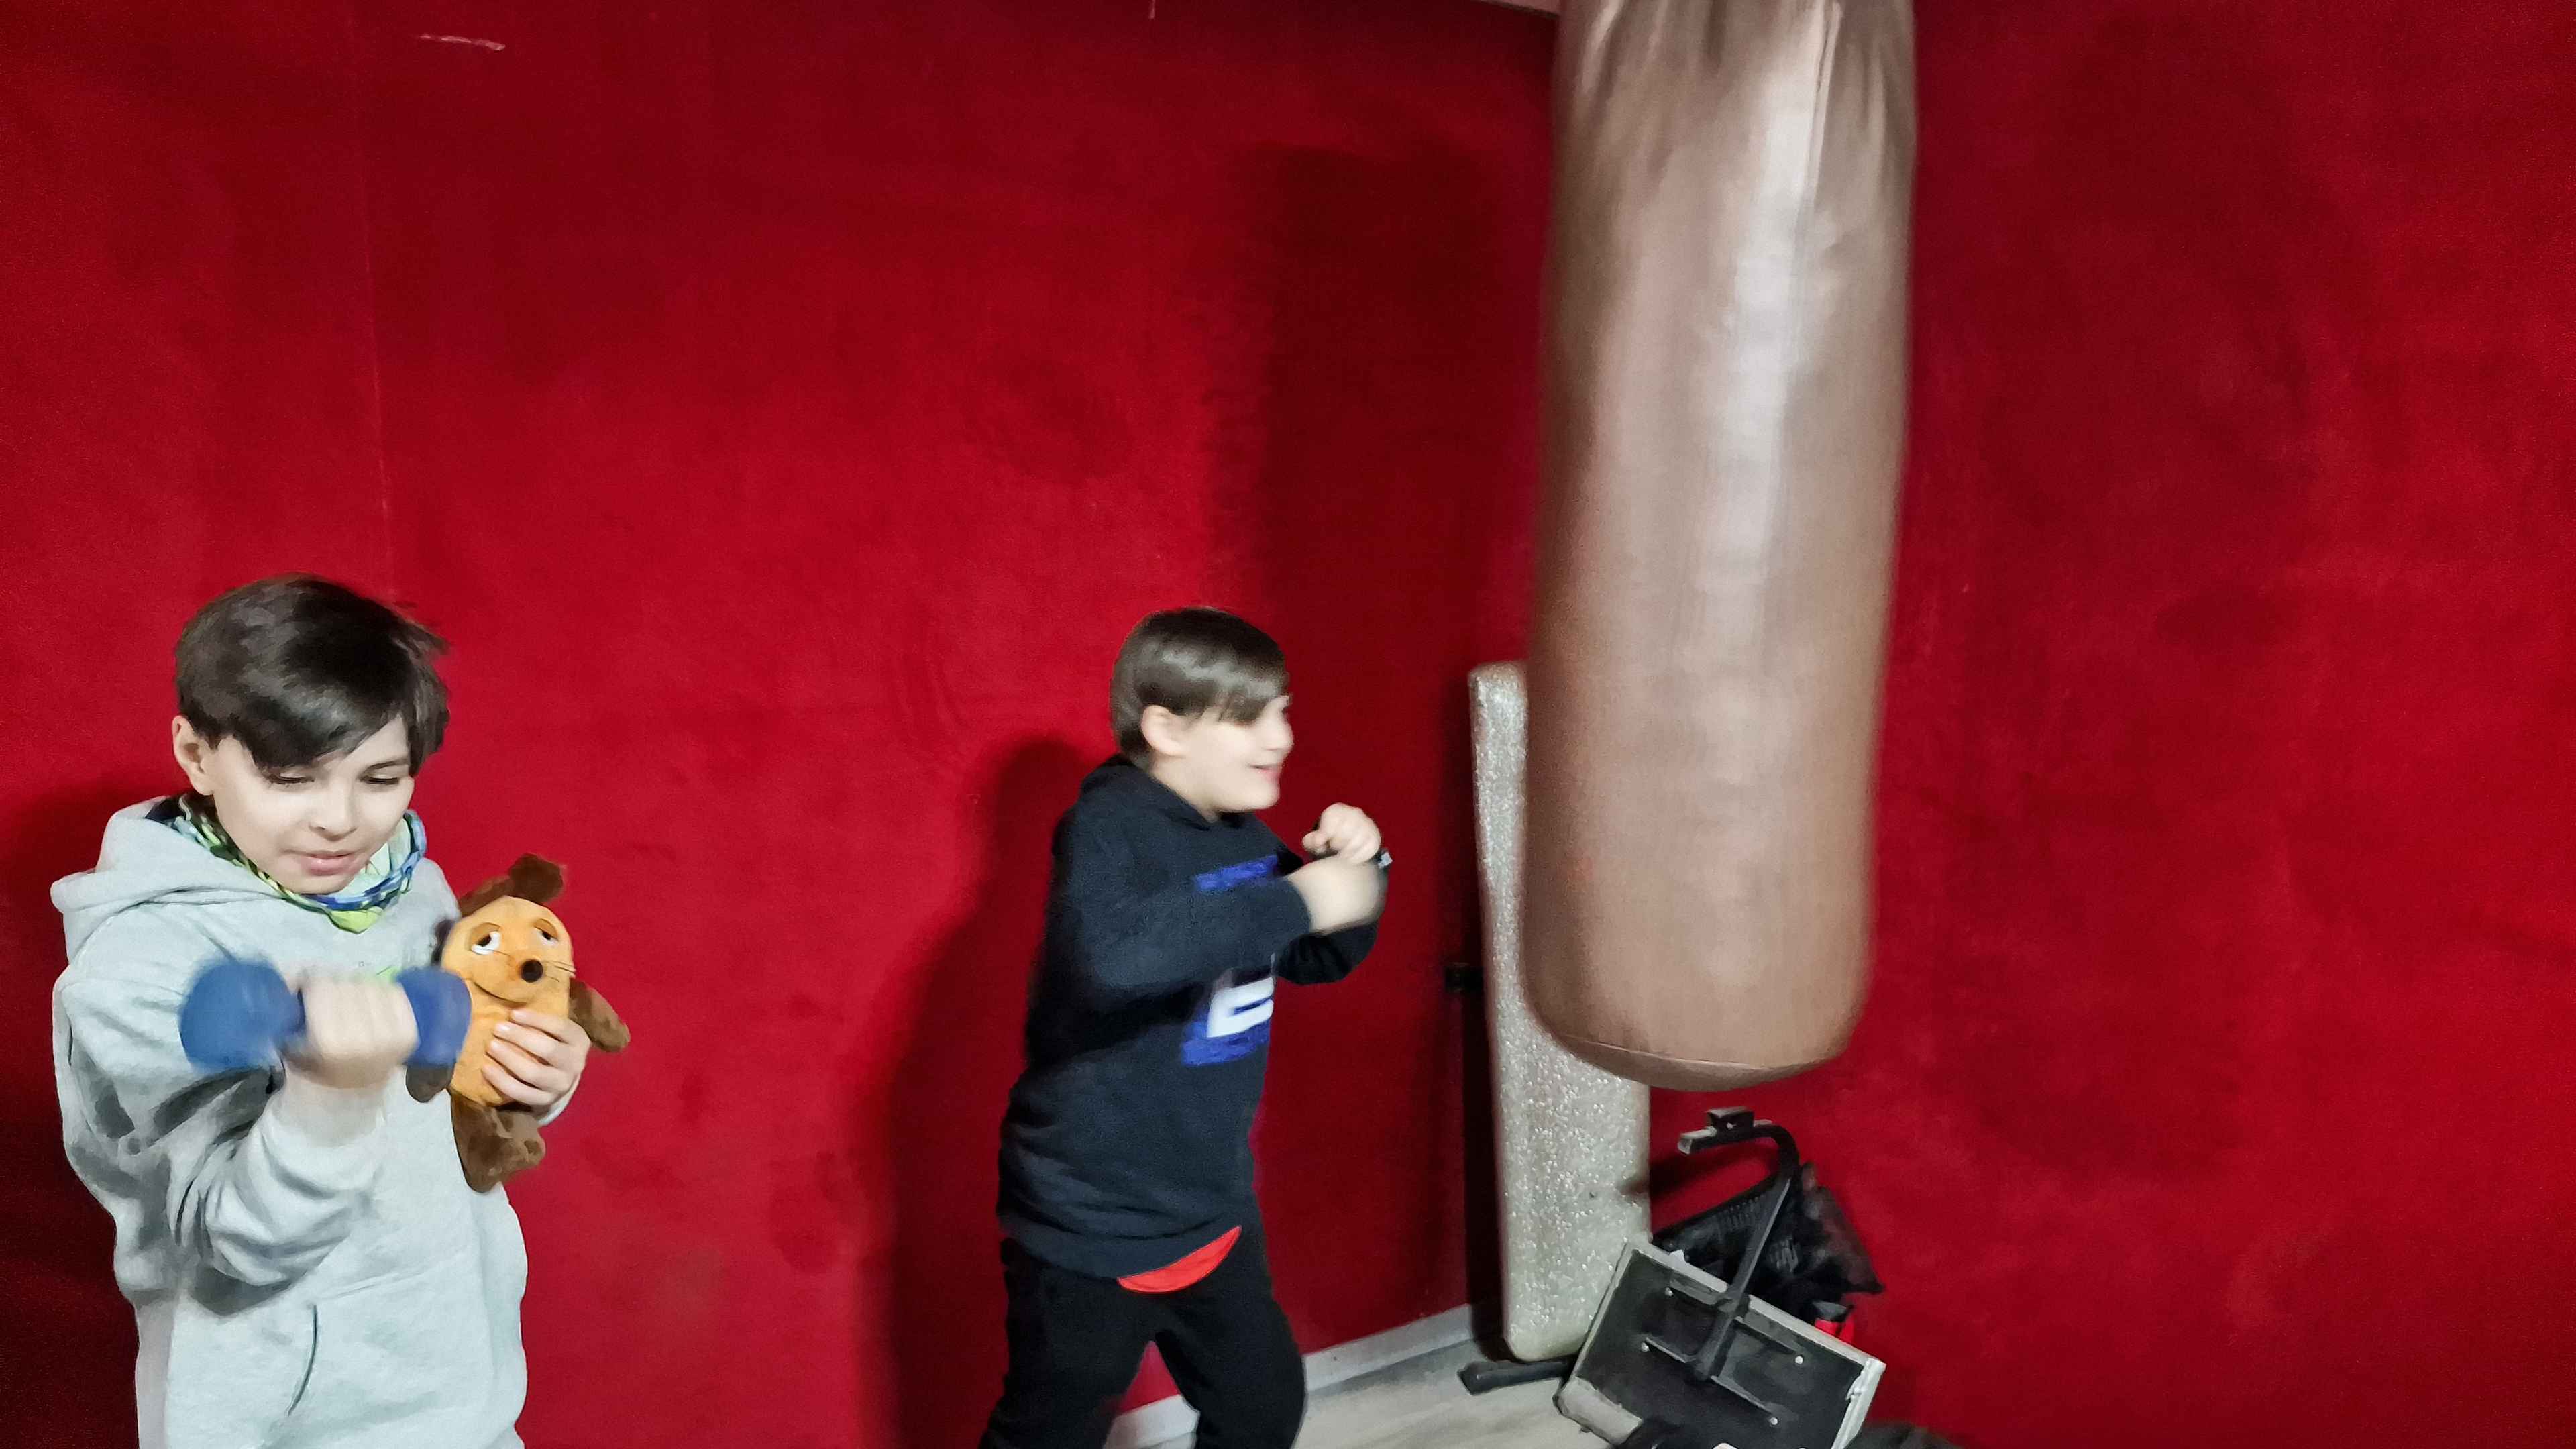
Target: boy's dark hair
(1193, 662)
(300, 669)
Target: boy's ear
(190, 749)
(1165, 732)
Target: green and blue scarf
(356, 906)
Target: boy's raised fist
(1341, 891)
(1344, 830)
(357, 1032)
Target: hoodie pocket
(411, 1352)
(231, 1379)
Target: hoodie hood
(142, 861)
(1120, 778)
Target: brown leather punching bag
(1727, 402)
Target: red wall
(785, 409)
(2215, 1086)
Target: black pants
(1076, 1341)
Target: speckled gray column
(1570, 1138)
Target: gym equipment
(1570, 1139)
(1679, 1358)
(1726, 417)
(1813, 1264)
(241, 1016)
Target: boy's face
(311, 827)
(1219, 765)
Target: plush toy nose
(532, 970)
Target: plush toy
(513, 953)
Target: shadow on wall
(944, 1110)
(66, 1336)
(1392, 449)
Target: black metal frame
(1732, 1127)
(1727, 1127)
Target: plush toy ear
(535, 878)
(481, 896)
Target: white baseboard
(1166, 1419)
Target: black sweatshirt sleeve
(1322, 960)
(1131, 945)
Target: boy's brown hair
(1193, 662)
(300, 669)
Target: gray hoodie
(307, 1265)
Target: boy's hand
(1344, 830)
(357, 1032)
(536, 1058)
(1341, 891)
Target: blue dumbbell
(241, 1014)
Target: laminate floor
(1419, 1405)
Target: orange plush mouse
(514, 954)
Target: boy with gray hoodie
(307, 1266)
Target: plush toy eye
(486, 944)
(545, 935)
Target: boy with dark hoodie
(1126, 1152)
(307, 1266)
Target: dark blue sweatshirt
(1128, 1143)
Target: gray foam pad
(1571, 1138)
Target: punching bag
(1726, 415)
